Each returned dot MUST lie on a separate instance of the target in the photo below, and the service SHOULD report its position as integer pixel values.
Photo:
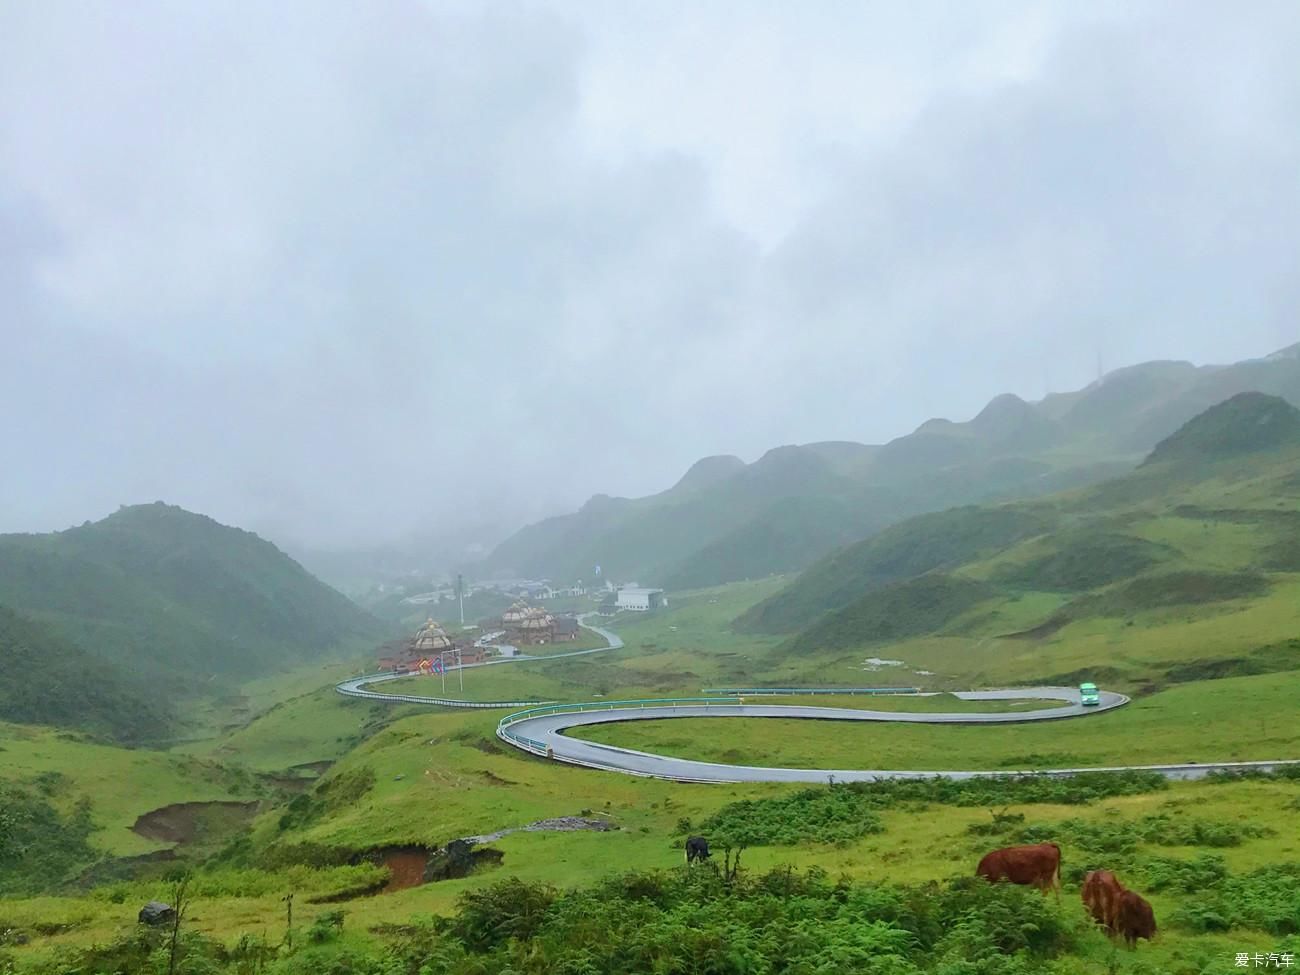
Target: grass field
(918, 844)
(121, 783)
(441, 774)
(1233, 719)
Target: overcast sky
(340, 272)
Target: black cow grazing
(697, 849)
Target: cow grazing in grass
(1037, 865)
(697, 849)
(1101, 894)
(1135, 918)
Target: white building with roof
(639, 599)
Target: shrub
(844, 812)
(821, 815)
(1267, 899)
(1185, 876)
(326, 927)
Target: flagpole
(460, 668)
(442, 669)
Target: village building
(525, 625)
(566, 628)
(430, 638)
(640, 600)
(513, 616)
(430, 641)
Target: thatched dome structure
(431, 638)
(515, 615)
(536, 620)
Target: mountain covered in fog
(727, 520)
(176, 598)
(46, 679)
(1205, 528)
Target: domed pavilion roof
(431, 638)
(515, 614)
(537, 619)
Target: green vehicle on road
(1089, 696)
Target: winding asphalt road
(543, 733)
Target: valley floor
(407, 777)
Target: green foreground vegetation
(879, 871)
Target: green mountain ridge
(1146, 543)
(707, 528)
(162, 593)
(1243, 424)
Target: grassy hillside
(47, 680)
(1206, 526)
(725, 521)
(787, 536)
(162, 592)
(1246, 423)
(922, 544)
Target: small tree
(730, 864)
(180, 901)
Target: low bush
(1267, 899)
(821, 815)
(847, 811)
(1184, 876)
(1122, 836)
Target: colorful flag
(437, 665)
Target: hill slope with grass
(725, 520)
(47, 680)
(160, 591)
(1204, 528)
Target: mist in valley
(386, 284)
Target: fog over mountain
(353, 274)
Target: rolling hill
(1205, 527)
(48, 680)
(159, 591)
(725, 520)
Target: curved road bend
(547, 731)
(356, 686)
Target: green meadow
(425, 776)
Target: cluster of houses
(430, 643)
(610, 596)
(523, 624)
(432, 649)
(527, 589)
(526, 625)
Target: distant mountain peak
(598, 502)
(1010, 423)
(936, 424)
(709, 471)
(1290, 352)
(1245, 423)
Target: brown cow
(1136, 919)
(1101, 893)
(1038, 866)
